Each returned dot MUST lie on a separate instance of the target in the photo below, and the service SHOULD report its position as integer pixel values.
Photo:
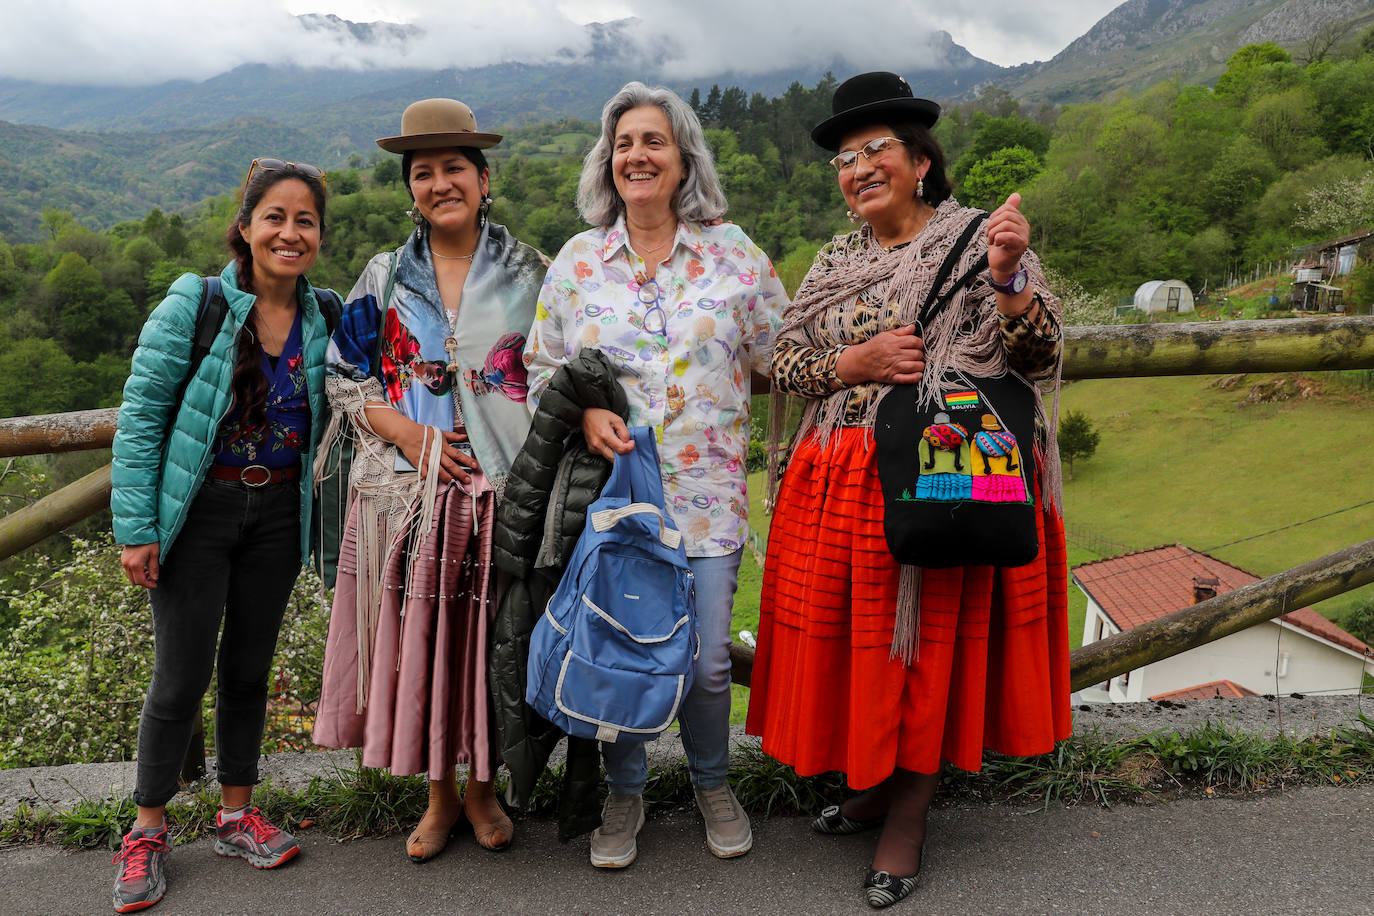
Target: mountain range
(118, 151)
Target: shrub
(75, 666)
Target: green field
(1185, 460)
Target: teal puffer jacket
(155, 476)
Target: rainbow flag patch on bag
(957, 400)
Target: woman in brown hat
(866, 666)
(425, 367)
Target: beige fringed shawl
(389, 503)
(965, 338)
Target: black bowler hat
(872, 98)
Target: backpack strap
(331, 308)
(209, 319)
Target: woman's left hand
(1008, 239)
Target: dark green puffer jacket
(551, 483)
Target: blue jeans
(704, 716)
(234, 562)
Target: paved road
(1306, 851)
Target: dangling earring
(921, 188)
(415, 216)
(853, 217)
(483, 209)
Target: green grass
(1184, 461)
(1086, 768)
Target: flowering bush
(75, 665)
(1080, 306)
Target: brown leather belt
(254, 475)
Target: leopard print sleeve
(1032, 348)
(805, 370)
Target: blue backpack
(611, 658)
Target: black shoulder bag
(967, 498)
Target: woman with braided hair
(866, 666)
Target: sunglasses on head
(269, 164)
(869, 150)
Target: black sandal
(832, 821)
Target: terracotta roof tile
(1212, 690)
(1138, 587)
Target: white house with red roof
(1299, 652)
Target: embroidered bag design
(968, 498)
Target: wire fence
(1098, 543)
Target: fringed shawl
(964, 338)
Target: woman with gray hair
(686, 307)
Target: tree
(1246, 65)
(990, 180)
(1359, 622)
(994, 134)
(733, 110)
(710, 109)
(996, 101)
(1362, 287)
(386, 173)
(1320, 42)
(345, 182)
(57, 221)
(1077, 437)
(1340, 205)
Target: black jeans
(234, 562)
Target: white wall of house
(1271, 657)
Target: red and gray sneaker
(251, 836)
(141, 881)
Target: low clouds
(140, 42)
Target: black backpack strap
(213, 308)
(934, 306)
(209, 318)
(331, 308)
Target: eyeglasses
(869, 150)
(269, 164)
(652, 296)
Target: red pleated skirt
(992, 662)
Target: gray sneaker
(141, 881)
(613, 843)
(727, 826)
(253, 837)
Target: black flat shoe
(833, 822)
(883, 889)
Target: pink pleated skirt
(428, 706)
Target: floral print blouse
(275, 443)
(685, 342)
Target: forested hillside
(1178, 181)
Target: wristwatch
(1012, 287)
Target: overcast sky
(136, 42)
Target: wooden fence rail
(1098, 351)
(1109, 351)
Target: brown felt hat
(436, 124)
